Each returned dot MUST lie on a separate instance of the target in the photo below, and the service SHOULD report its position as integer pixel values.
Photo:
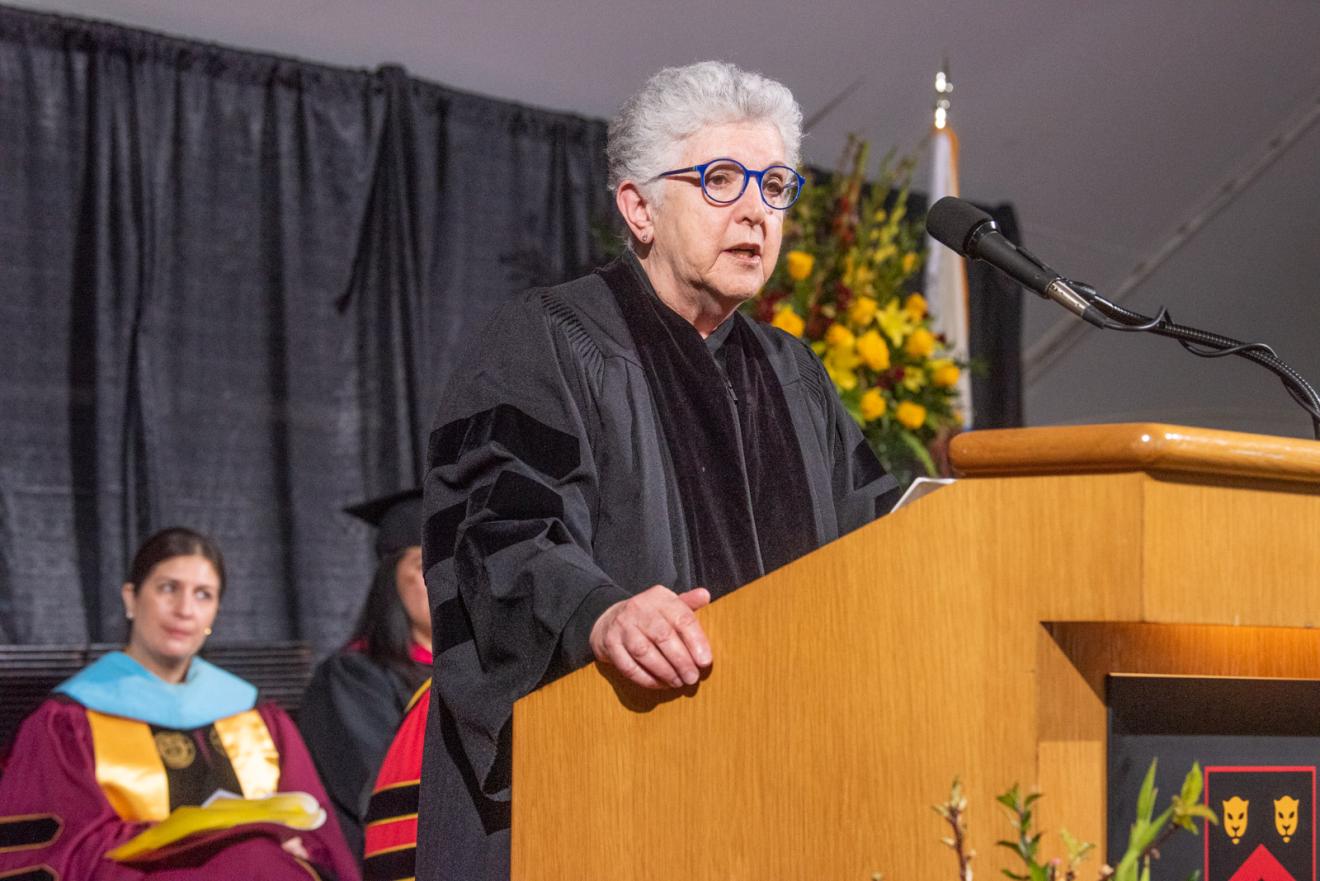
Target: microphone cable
(1201, 343)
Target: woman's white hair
(646, 137)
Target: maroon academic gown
(52, 771)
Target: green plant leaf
(1150, 832)
(923, 455)
(1146, 797)
(1077, 850)
(1191, 788)
(1186, 817)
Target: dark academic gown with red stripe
(391, 821)
(592, 445)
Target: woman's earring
(128, 615)
(207, 631)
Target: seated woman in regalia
(153, 763)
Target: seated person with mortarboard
(127, 770)
(357, 696)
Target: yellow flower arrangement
(846, 287)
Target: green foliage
(1148, 833)
(1025, 845)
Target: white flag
(946, 272)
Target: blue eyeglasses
(725, 180)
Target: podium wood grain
(968, 635)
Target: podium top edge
(1138, 446)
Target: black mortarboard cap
(397, 518)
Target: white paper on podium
(921, 487)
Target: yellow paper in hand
(294, 810)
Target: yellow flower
(862, 311)
(916, 306)
(909, 262)
(873, 405)
(895, 321)
(910, 415)
(920, 344)
(799, 265)
(839, 337)
(944, 373)
(845, 380)
(841, 364)
(789, 321)
(859, 278)
(914, 380)
(872, 350)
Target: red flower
(816, 323)
(767, 303)
(843, 296)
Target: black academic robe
(552, 493)
(349, 713)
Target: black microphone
(974, 234)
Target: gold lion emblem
(1235, 817)
(175, 749)
(1285, 816)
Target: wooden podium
(967, 635)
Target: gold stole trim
(128, 767)
(252, 752)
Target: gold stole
(131, 773)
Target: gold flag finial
(943, 88)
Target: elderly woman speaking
(622, 449)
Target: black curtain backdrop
(230, 285)
(995, 322)
(230, 288)
(994, 327)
